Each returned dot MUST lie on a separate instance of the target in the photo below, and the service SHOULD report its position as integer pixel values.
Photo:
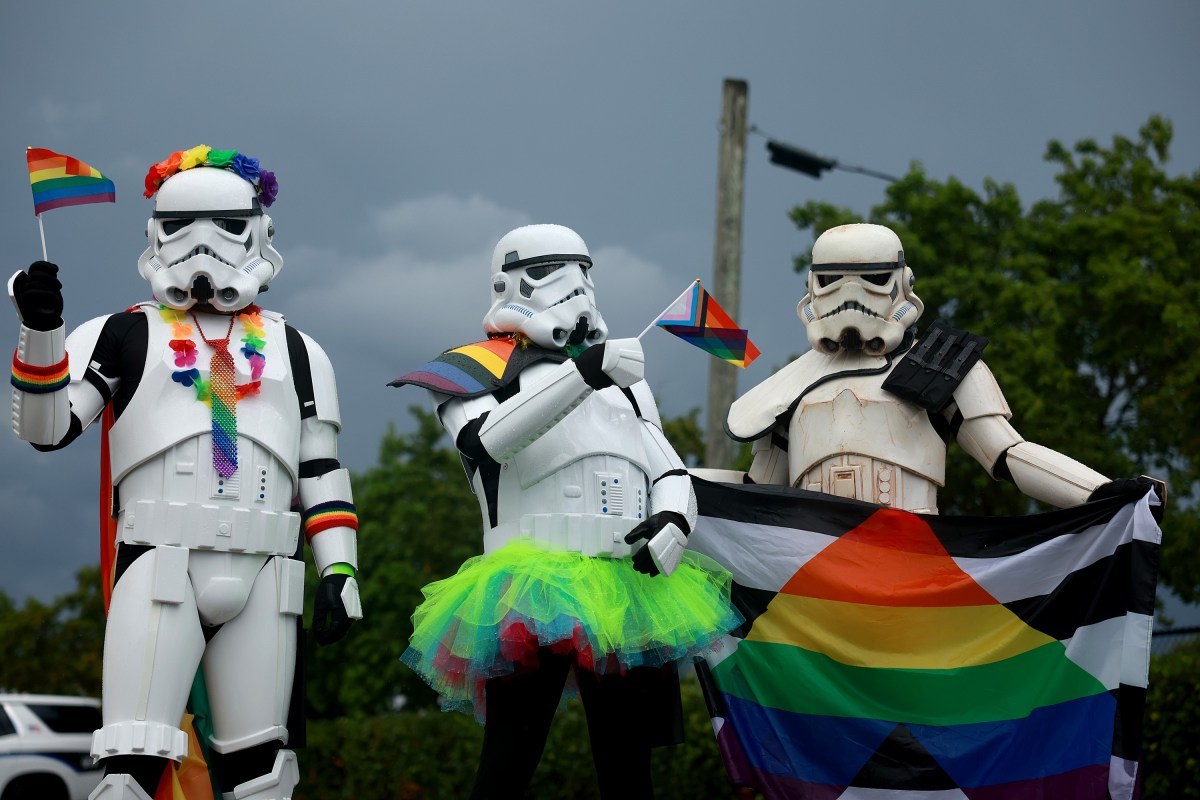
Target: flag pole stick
(663, 313)
(42, 232)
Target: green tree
(1172, 761)
(686, 435)
(55, 648)
(1090, 301)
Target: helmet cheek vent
(526, 288)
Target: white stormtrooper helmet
(541, 288)
(860, 291)
(209, 240)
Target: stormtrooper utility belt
(600, 535)
(204, 526)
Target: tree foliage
(55, 648)
(428, 755)
(1172, 760)
(1090, 301)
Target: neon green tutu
(491, 617)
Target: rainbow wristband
(40, 380)
(334, 514)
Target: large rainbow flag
(895, 655)
(696, 318)
(59, 180)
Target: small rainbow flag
(696, 318)
(59, 180)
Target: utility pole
(727, 263)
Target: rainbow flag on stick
(696, 318)
(890, 654)
(59, 180)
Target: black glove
(588, 363)
(1128, 488)
(1132, 489)
(330, 621)
(38, 294)
(643, 561)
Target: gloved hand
(335, 607)
(616, 362)
(666, 534)
(1132, 489)
(37, 295)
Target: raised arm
(60, 383)
(514, 424)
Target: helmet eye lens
(542, 270)
(826, 278)
(173, 226)
(231, 224)
(877, 278)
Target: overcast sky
(407, 137)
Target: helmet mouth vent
(202, 250)
(851, 305)
(576, 293)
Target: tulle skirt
(491, 617)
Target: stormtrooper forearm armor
(520, 420)
(1050, 476)
(330, 519)
(47, 414)
(670, 491)
(41, 408)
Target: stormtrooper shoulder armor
(933, 368)
(320, 399)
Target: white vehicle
(45, 747)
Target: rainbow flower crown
(262, 180)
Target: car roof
(55, 699)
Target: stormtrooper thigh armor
(154, 642)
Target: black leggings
(520, 709)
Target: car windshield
(67, 719)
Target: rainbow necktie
(223, 398)
(221, 375)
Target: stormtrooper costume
(583, 502)
(204, 468)
(866, 414)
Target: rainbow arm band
(331, 529)
(333, 514)
(40, 380)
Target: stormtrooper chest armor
(161, 446)
(582, 485)
(850, 438)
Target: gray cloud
(408, 137)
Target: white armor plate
(164, 412)
(580, 486)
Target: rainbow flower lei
(254, 341)
(262, 180)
